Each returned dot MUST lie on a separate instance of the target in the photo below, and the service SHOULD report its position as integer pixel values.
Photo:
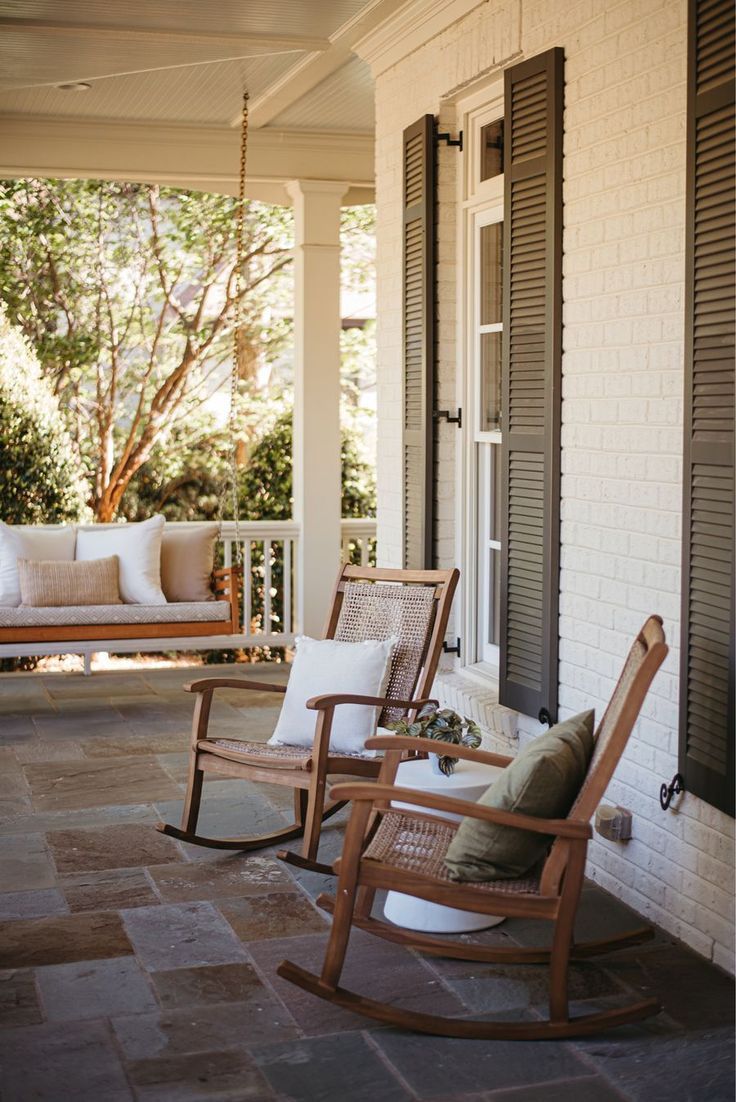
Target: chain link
(235, 366)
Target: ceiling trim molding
(310, 71)
(414, 24)
(176, 133)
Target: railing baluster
(267, 586)
(286, 626)
(247, 587)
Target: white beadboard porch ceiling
(168, 65)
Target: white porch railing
(269, 550)
(269, 591)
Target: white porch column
(317, 489)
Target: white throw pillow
(138, 548)
(38, 544)
(329, 666)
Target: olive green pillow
(542, 781)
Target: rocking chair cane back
(368, 603)
(404, 850)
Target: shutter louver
(707, 716)
(418, 342)
(532, 342)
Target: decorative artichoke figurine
(443, 725)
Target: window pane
(491, 255)
(494, 606)
(494, 490)
(490, 381)
(491, 150)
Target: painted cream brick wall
(622, 393)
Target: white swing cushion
(187, 559)
(25, 542)
(99, 615)
(138, 548)
(331, 666)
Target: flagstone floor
(134, 967)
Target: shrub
(266, 488)
(40, 480)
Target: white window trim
(474, 198)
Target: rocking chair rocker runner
(368, 603)
(404, 850)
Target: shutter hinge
(545, 717)
(448, 139)
(445, 415)
(447, 649)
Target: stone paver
(109, 890)
(272, 916)
(235, 877)
(32, 904)
(25, 863)
(68, 785)
(331, 1069)
(64, 1060)
(19, 998)
(138, 967)
(260, 1020)
(94, 989)
(115, 847)
(182, 988)
(229, 1076)
(182, 935)
(438, 1067)
(56, 940)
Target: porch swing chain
(235, 367)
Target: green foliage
(184, 475)
(129, 296)
(358, 247)
(266, 485)
(39, 470)
(444, 725)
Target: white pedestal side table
(468, 782)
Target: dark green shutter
(532, 342)
(707, 645)
(418, 290)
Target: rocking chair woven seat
(409, 606)
(417, 844)
(259, 753)
(403, 851)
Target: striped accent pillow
(61, 584)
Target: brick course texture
(623, 278)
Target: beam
(161, 36)
(310, 71)
(202, 158)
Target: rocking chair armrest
(573, 829)
(434, 746)
(209, 684)
(332, 700)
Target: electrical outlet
(613, 823)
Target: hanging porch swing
(100, 626)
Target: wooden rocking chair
(368, 603)
(404, 851)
